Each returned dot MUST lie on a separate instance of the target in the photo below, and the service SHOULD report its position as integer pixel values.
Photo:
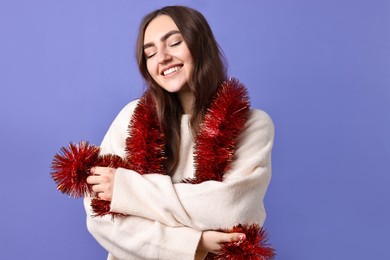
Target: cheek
(191, 66)
(150, 68)
(187, 54)
(190, 61)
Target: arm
(134, 237)
(209, 205)
(138, 238)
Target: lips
(171, 70)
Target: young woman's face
(168, 58)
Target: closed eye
(148, 56)
(175, 44)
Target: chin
(173, 88)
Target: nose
(163, 56)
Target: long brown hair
(208, 74)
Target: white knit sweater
(166, 217)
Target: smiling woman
(196, 158)
(168, 59)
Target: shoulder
(121, 121)
(114, 140)
(260, 120)
(129, 107)
(259, 129)
(127, 111)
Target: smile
(171, 70)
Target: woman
(176, 214)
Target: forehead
(158, 27)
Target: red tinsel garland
(145, 146)
(254, 247)
(216, 142)
(145, 153)
(71, 168)
(72, 165)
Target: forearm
(138, 238)
(210, 205)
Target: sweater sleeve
(211, 204)
(134, 237)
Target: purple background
(319, 68)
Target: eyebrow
(162, 39)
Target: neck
(187, 100)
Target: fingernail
(242, 237)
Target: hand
(102, 181)
(211, 241)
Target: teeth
(171, 70)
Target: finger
(100, 195)
(99, 170)
(96, 170)
(104, 196)
(215, 248)
(233, 237)
(97, 188)
(93, 179)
